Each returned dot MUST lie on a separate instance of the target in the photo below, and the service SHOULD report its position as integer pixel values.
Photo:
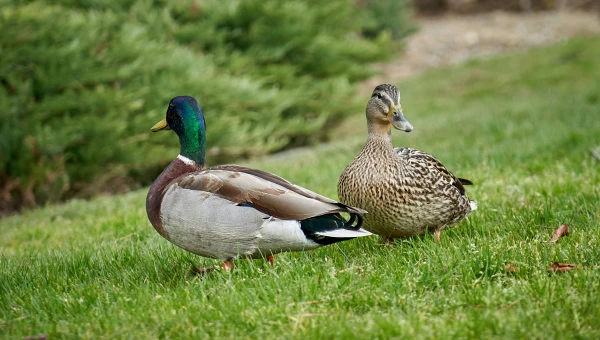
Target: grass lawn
(520, 126)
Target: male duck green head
(184, 116)
(228, 211)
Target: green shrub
(81, 82)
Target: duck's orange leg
(271, 259)
(227, 265)
(437, 236)
(202, 270)
(388, 241)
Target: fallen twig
(119, 239)
(297, 317)
(562, 267)
(13, 320)
(36, 337)
(561, 231)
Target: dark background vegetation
(81, 82)
(477, 6)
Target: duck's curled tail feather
(332, 228)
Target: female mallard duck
(405, 191)
(231, 211)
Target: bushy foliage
(82, 81)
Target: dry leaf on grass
(511, 268)
(561, 231)
(562, 267)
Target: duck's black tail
(465, 181)
(332, 228)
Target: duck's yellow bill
(162, 125)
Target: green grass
(519, 126)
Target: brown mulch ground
(453, 39)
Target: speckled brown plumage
(405, 191)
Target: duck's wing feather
(465, 181)
(413, 155)
(264, 191)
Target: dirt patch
(453, 39)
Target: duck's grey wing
(264, 191)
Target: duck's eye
(379, 96)
(171, 112)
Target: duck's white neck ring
(186, 160)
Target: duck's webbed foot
(227, 265)
(436, 233)
(437, 236)
(388, 241)
(203, 270)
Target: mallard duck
(405, 191)
(231, 211)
